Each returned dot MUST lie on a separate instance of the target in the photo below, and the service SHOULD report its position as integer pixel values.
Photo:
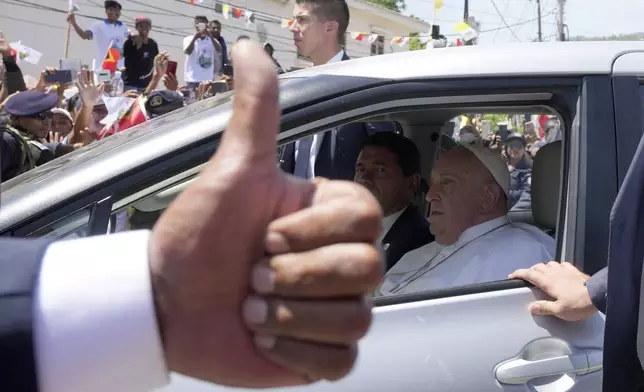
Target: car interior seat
(546, 186)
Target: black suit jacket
(409, 232)
(622, 368)
(339, 148)
(19, 267)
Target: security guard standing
(23, 145)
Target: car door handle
(520, 371)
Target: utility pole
(539, 36)
(560, 20)
(466, 17)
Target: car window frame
(324, 115)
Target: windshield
(101, 147)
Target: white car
(473, 338)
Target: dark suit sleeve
(19, 268)
(597, 288)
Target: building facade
(41, 25)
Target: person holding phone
(203, 55)
(139, 52)
(110, 31)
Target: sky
(583, 17)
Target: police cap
(30, 103)
(164, 101)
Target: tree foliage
(394, 5)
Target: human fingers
(328, 321)
(337, 270)
(356, 217)
(545, 308)
(312, 360)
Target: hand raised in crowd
(170, 82)
(136, 38)
(5, 48)
(89, 93)
(71, 18)
(55, 137)
(204, 91)
(42, 82)
(294, 270)
(565, 284)
(131, 94)
(161, 63)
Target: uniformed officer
(162, 102)
(23, 144)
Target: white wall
(38, 25)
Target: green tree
(414, 42)
(394, 5)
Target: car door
(628, 92)
(482, 337)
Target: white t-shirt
(202, 63)
(103, 32)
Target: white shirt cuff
(95, 327)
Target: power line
(504, 22)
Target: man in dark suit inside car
(318, 31)
(389, 166)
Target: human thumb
(543, 308)
(252, 130)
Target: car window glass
(418, 260)
(72, 226)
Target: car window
(72, 226)
(420, 258)
(415, 264)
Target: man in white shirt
(318, 31)
(475, 240)
(118, 312)
(389, 166)
(105, 32)
(203, 55)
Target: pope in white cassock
(475, 240)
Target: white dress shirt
(483, 253)
(95, 327)
(317, 138)
(387, 222)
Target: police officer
(23, 143)
(162, 102)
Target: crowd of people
(48, 120)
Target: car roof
(91, 166)
(524, 59)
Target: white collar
(478, 230)
(390, 219)
(338, 57)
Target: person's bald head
(463, 193)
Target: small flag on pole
(111, 57)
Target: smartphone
(503, 132)
(61, 76)
(228, 70)
(219, 86)
(172, 68)
(102, 76)
(201, 26)
(73, 65)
